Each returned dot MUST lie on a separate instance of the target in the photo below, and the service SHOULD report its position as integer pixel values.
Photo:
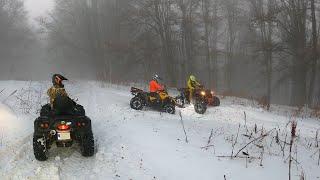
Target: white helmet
(156, 77)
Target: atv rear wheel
(79, 110)
(216, 101)
(40, 148)
(200, 107)
(170, 109)
(87, 145)
(136, 103)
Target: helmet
(57, 79)
(156, 77)
(193, 78)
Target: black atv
(203, 98)
(63, 127)
(141, 99)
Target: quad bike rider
(62, 121)
(197, 94)
(157, 98)
(155, 87)
(192, 85)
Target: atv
(64, 127)
(202, 96)
(145, 99)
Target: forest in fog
(265, 49)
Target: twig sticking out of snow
(247, 155)
(315, 153)
(284, 144)
(255, 128)
(245, 121)
(316, 138)
(184, 130)
(293, 135)
(319, 158)
(235, 142)
(210, 137)
(302, 176)
(254, 140)
(262, 153)
(240, 157)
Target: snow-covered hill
(148, 145)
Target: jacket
(192, 84)
(154, 86)
(55, 91)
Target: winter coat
(193, 84)
(55, 91)
(154, 86)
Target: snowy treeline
(260, 48)
(266, 49)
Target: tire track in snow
(17, 161)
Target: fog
(38, 8)
(262, 49)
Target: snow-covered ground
(145, 145)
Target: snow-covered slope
(151, 145)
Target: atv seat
(62, 106)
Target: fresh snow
(146, 145)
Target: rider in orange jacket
(155, 87)
(154, 84)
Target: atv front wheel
(216, 101)
(136, 103)
(170, 109)
(200, 107)
(180, 101)
(40, 148)
(87, 145)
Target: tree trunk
(206, 19)
(215, 46)
(299, 85)
(314, 54)
(231, 20)
(269, 78)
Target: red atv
(203, 98)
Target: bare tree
(314, 56)
(264, 13)
(16, 37)
(211, 21)
(231, 7)
(294, 37)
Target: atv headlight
(203, 93)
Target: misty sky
(38, 8)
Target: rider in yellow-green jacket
(192, 85)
